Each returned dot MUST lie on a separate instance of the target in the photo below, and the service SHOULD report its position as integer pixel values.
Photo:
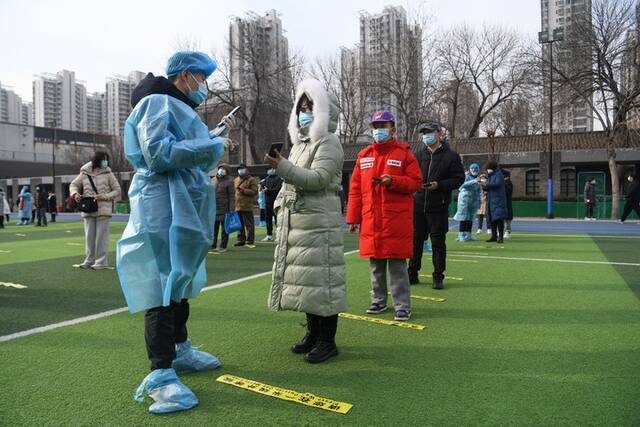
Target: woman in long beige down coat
(308, 271)
(96, 224)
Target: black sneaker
(321, 352)
(438, 284)
(376, 308)
(239, 244)
(492, 240)
(403, 315)
(500, 241)
(305, 345)
(414, 279)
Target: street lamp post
(543, 38)
(53, 124)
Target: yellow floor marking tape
(446, 278)
(215, 253)
(467, 253)
(307, 399)
(75, 244)
(21, 235)
(68, 231)
(405, 325)
(434, 299)
(463, 260)
(4, 252)
(12, 285)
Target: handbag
(232, 223)
(89, 204)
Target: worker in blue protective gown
(161, 255)
(24, 206)
(469, 195)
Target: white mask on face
(489, 171)
(629, 179)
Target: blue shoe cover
(190, 359)
(461, 237)
(170, 395)
(470, 237)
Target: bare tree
(609, 85)
(341, 76)
(266, 92)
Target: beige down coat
(308, 270)
(106, 183)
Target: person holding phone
(161, 255)
(385, 177)
(308, 269)
(443, 172)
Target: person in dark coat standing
(272, 185)
(508, 188)
(53, 205)
(442, 172)
(590, 198)
(496, 201)
(633, 198)
(225, 203)
(41, 204)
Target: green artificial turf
(516, 342)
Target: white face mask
(630, 179)
(489, 171)
(222, 172)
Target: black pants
(53, 216)
(480, 221)
(630, 205)
(497, 229)
(33, 216)
(432, 225)
(248, 231)
(270, 218)
(589, 207)
(465, 226)
(42, 216)
(164, 327)
(1, 221)
(323, 328)
(219, 225)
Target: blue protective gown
(468, 199)
(161, 255)
(25, 195)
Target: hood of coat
(152, 85)
(325, 111)
(88, 169)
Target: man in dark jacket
(41, 204)
(508, 188)
(633, 198)
(225, 204)
(442, 172)
(590, 198)
(53, 205)
(272, 186)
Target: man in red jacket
(380, 202)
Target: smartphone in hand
(276, 146)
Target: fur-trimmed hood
(325, 111)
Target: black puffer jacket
(272, 185)
(445, 167)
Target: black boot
(326, 347)
(310, 340)
(413, 278)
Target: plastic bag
(232, 223)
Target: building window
(568, 182)
(532, 182)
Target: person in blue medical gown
(161, 255)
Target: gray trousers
(400, 288)
(96, 237)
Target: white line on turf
(566, 261)
(108, 313)
(582, 236)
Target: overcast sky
(97, 39)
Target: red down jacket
(385, 214)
